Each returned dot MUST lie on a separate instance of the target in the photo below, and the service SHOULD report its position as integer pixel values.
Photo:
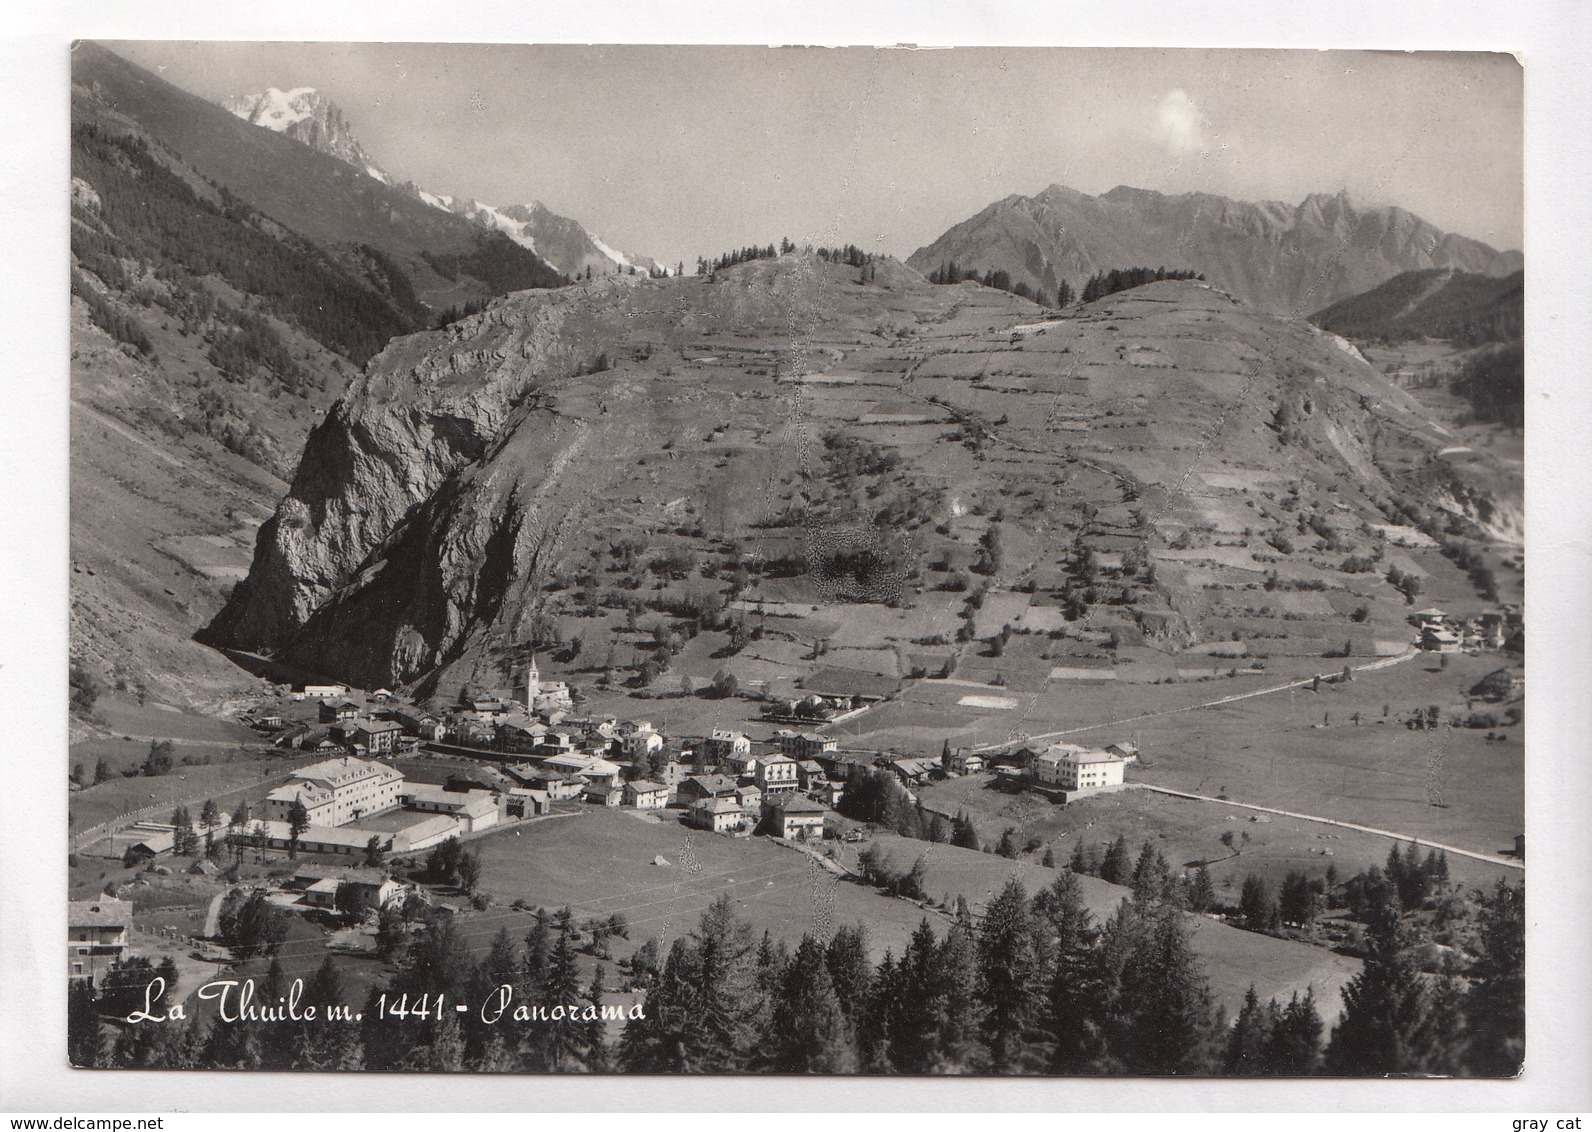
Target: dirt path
(1371, 666)
(1490, 858)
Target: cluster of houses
(724, 781)
(1491, 630)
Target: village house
(604, 794)
(644, 795)
(804, 744)
(321, 692)
(671, 773)
(337, 791)
(827, 791)
(719, 745)
(560, 787)
(1439, 639)
(377, 737)
(371, 889)
(143, 841)
(914, 772)
(330, 712)
(842, 766)
(720, 815)
(523, 802)
(96, 935)
(750, 797)
(699, 786)
(964, 761)
(557, 743)
(641, 743)
(808, 772)
(475, 810)
(776, 774)
(595, 770)
(793, 817)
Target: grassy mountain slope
(1465, 308)
(914, 471)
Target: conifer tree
(807, 1030)
(1496, 1007)
(1006, 971)
(963, 833)
(1202, 891)
(1250, 1037)
(914, 1030)
(846, 957)
(1256, 906)
(961, 1044)
(1384, 1007)
(1165, 1003)
(1114, 868)
(1295, 1046)
(1076, 1001)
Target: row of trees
(1001, 280)
(1032, 985)
(1105, 283)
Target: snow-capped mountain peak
(308, 116)
(277, 109)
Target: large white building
(1069, 767)
(337, 791)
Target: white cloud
(1180, 126)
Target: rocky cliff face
(566, 463)
(1281, 258)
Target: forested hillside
(1465, 308)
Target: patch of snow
(513, 229)
(378, 174)
(279, 109)
(618, 257)
(1347, 347)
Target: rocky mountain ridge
(469, 496)
(1287, 259)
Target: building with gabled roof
(707, 786)
(644, 795)
(336, 791)
(720, 815)
(804, 744)
(792, 816)
(1073, 768)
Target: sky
(677, 152)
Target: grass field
(1186, 832)
(602, 862)
(224, 782)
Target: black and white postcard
(742, 560)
